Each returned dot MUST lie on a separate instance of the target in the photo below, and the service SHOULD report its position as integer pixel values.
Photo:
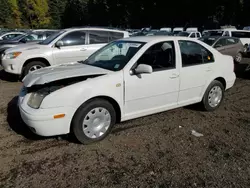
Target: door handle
(83, 49)
(174, 76)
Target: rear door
(197, 66)
(73, 49)
(232, 48)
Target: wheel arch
(222, 80)
(111, 100)
(41, 59)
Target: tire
(245, 48)
(29, 66)
(238, 58)
(207, 100)
(84, 127)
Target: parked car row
(34, 50)
(84, 80)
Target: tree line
(123, 13)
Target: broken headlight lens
(36, 99)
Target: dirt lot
(155, 151)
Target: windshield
(215, 33)
(51, 38)
(240, 34)
(183, 34)
(210, 41)
(115, 55)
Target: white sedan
(126, 79)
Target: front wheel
(213, 96)
(93, 121)
(33, 66)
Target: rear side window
(115, 36)
(193, 53)
(231, 41)
(220, 43)
(102, 37)
(98, 37)
(192, 35)
(240, 34)
(74, 38)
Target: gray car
(226, 45)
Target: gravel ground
(154, 151)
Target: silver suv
(68, 45)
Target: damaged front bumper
(42, 121)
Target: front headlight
(36, 99)
(12, 55)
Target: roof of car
(217, 37)
(154, 38)
(93, 28)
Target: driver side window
(74, 38)
(160, 56)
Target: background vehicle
(163, 33)
(192, 29)
(167, 29)
(9, 35)
(74, 44)
(226, 45)
(177, 30)
(126, 79)
(22, 39)
(189, 34)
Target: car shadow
(8, 77)
(16, 123)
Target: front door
(150, 93)
(197, 66)
(220, 45)
(73, 49)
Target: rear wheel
(213, 96)
(245, 48)
(93, 121)
(238, 57)
(33, 66)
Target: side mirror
(143, 69)
(59, 44)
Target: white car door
(150, 93)
(73, 48)
(197, 66)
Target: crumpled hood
(59, 72)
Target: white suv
(74, 44)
